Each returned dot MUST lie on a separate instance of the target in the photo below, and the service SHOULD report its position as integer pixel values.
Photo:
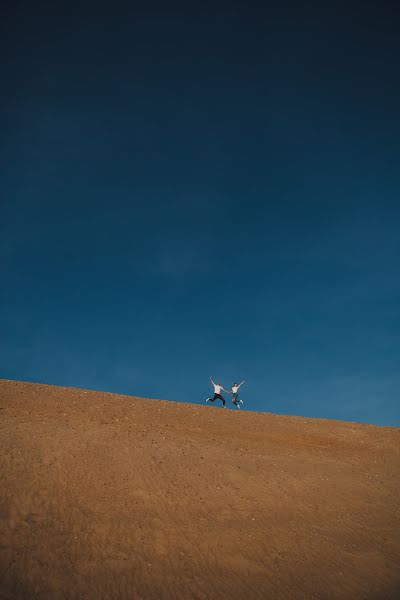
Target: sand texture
(111, 496)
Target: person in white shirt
(235, 394)
(217, 393)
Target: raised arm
(211, 379)
(241, 383)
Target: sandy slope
(110, 496)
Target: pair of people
(218, 396)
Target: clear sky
(204, 190)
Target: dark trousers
(218, 397)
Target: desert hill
(111, 496)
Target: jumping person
(217, 393)
(235, 394)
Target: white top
(217, 388)
(235, 389)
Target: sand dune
(110, 496)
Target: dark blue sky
(204, 191)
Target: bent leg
(219, 397)
(215, 397)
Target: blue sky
(204, 191)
